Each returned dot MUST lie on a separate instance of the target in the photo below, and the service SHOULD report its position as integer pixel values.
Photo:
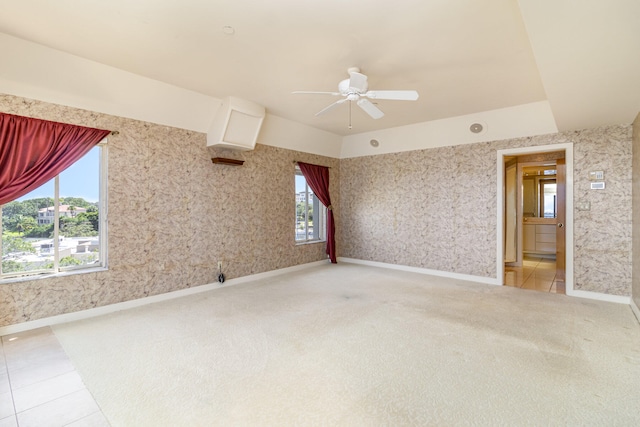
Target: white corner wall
(53, 76)
(39, 72)
(505, 123)
(284, 133)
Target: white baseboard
(459, 276)
(635, 309)
(487, 280)
(599, 296)
(112, 308)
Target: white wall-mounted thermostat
(597, 185)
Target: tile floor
(536, 273)
(40, 387)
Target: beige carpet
(353, 345)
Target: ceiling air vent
(236, 125)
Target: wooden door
(561, 217)
(511, 214)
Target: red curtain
(33, 151)
(318, 179)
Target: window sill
(19, 279)
(309, 242)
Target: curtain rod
(295, 161)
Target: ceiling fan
(355, 88)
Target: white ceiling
(462, 56)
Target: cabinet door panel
(546, 228)
(546, 238)
(529, 237)
(546, 247)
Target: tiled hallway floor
(40, 387)
(536, 273)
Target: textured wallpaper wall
(173, 215)
(436, 208)
(636, 211)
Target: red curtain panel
(318, 179)
(33, 151)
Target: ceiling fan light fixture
(356, 89)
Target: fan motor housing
(343, 87)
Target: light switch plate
(596, 175)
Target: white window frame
(320, 217)
(102, 227)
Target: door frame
(568, 149)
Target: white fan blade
(330, 107)
(317, 93)
(369, 108)
(399, 95)
(357, 82)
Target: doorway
(534, 245)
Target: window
(59, 226)
(311, 215)
(548, 198)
